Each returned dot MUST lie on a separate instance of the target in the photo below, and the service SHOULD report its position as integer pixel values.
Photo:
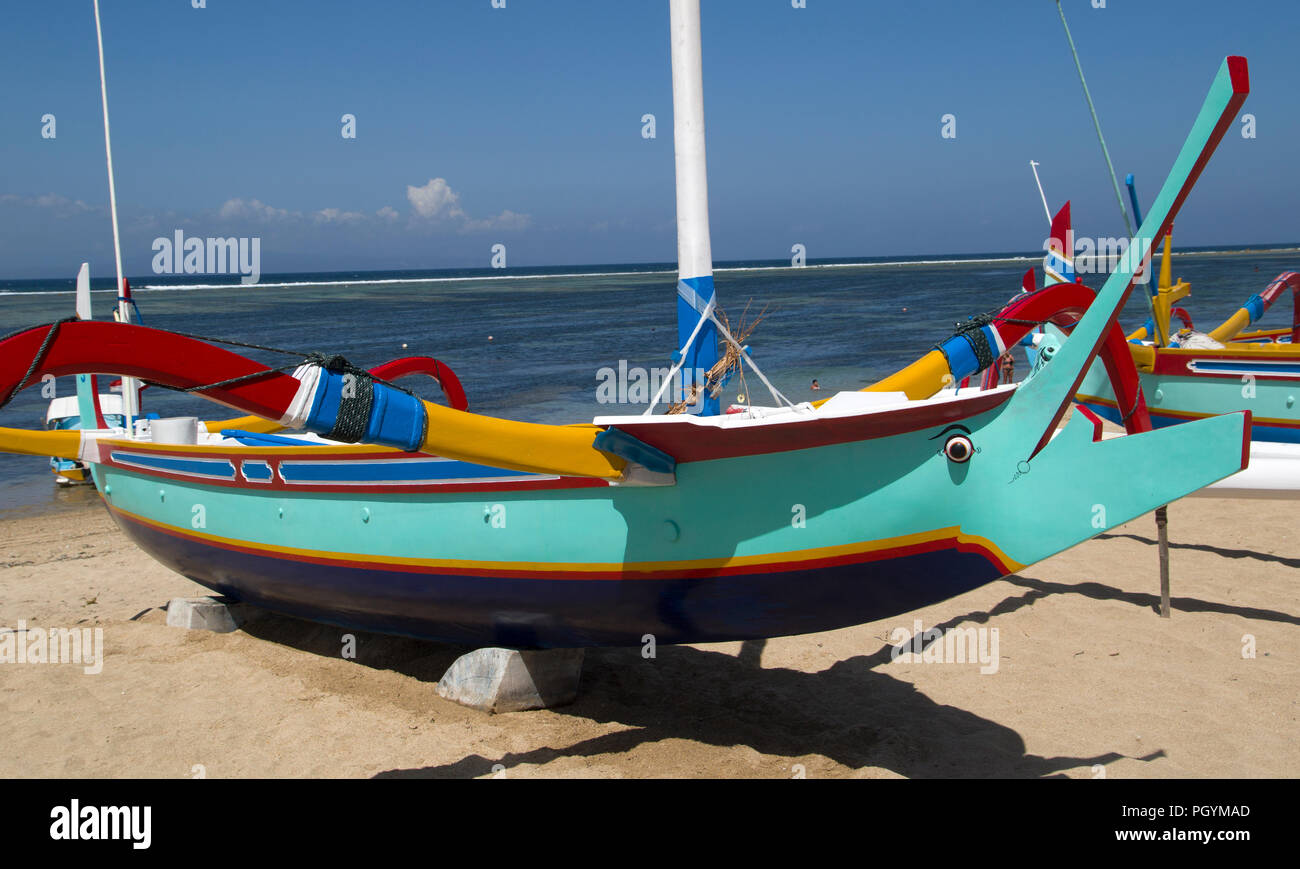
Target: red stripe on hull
(939, 545)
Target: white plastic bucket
(175, 430)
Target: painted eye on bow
(959, 449)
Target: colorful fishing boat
(415, 518)
(64, 414)
(1188, 374)
(1185, 373)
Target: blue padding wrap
(325, 405)
(622, 444)
(960, 356)
(396, 420)
(1255, 307)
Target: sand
(1089, 682)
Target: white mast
(1033, 165)
(694, 251)
(123, 307)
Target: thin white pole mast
(694, 249)
(123, 307)
(1033, 165)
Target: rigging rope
(347, 423)
(36, 359)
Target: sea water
(530, 343)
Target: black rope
(334, 362)
(228, 382)
(973, 331)
(1136, 401)
(355, 402)
(38, 358)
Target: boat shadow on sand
(1214, 550)
(853, 713)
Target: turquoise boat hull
(786, 542)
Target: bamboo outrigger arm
(398, 419)
(1061, 304)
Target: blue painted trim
(620, 443)
(693, 294)
(221, 469)
(255, 471)
(1212, 365)
(388, 471)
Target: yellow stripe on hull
(790, 560)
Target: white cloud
(505, 220)
(253, 208)
(435, 199)
(388, 213)
(335, 215)
(51, 201)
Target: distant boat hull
(69, 473)
(1188, 384)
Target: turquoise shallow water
(550, 335)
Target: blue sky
(522, 125)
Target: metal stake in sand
(1162, 533)
(1162, 512)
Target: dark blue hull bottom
(530, 613)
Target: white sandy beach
(1089, 682)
